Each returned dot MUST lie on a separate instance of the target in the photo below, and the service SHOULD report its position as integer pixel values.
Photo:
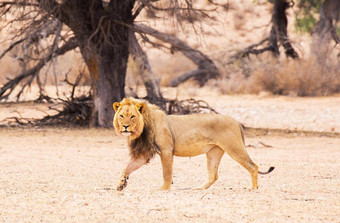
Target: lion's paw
(165, 187)
(122, 184)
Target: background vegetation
(241, 40)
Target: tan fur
(150, 131)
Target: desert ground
(58, 174)
(69, 174)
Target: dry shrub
(303, 77)
(235, 83)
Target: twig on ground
(259, 143)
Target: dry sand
(69, 175)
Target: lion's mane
(145, 144)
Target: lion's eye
(121, 116)
(133, 116)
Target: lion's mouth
(126, 133)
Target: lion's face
(128, 120)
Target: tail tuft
(270, 170)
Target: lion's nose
(125, 126)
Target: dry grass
(303, 77)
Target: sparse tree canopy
(103, 32)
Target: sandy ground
(69, 175)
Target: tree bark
(102, 33)
(108, 81)
(279, 30)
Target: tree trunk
(102, 33)
(325, 29)
(279, 29)
(108, 81)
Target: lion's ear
(141, 107)
(116, 106)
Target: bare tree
(101, 30)
(325, 29)
(278, 35)
(96, 30)
(279, 32)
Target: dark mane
(145, 144)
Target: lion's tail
(242, 134)
(270, 170)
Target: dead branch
(154, 94)
(51, 51)
(17, 3)
(188, 106)
(225, 6)
(208, 69)
(186, 76)
(8, 88)
(17, 121)
(259, 143)
(138, 10)
(74, 85)
(76, 111)
(252, 49)
(11, 47)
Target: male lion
(149, 131)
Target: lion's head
(128, 120)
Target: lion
(150, 131)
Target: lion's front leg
(133, 165)
(167, 162)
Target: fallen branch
(74, 113)
(188, 106)
(259, 143)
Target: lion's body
(196, 134)
(179, 135)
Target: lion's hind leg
(238, 153)
(214, 156)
